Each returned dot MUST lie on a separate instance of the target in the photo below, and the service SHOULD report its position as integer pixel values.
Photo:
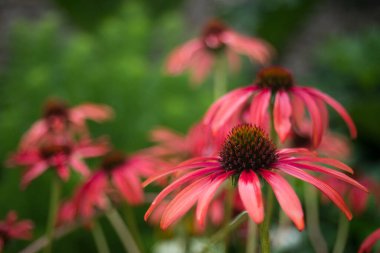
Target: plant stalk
(53, 209)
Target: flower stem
(131, 223)
(264, 226)
(341, 239)
(220, 78)
(228, 213)
(54, 201)
(312, 219)
(252, 237)
(122, 231)
(100, 239)
(223, 232)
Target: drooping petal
(63, 172)
(233, 60)
(34, 134)
(286, 197)
(201, 66)
(337, 107)
(79, 165)
(94, 112)
(32, 173)
(250, 194)
(259, 107)
(369, 242)
(129, 186)
(175, 185)
(322, 186)
(183, 201)
(206, 197)
(282, 112)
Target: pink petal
(183, 201)
(298, 112)
(63, 172)
(129, 186)
(233, 60)
(205, 199)
(35, 132)
(281, 114)
(94, 112)
(259, 107)
(32, 173)
(338, 108)
(323, 187)
(315, 115)
(201, 66)
(175, 185)
(79, 166)
(286, 197)
(250, 194)
(369, 242)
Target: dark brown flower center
(247, 147)
(275, 78)
(55, 108)
(113, 160)
(49, 150)
(212, 35)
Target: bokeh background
(113, 52)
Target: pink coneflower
(11, 229)
(199, 54)
(58, 156)
(59, 121)
(246, 154)
(117, 173)
(370, 241)
(251, 104)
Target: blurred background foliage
(113, 52)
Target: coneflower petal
(259, 107)
(205, 198)
(175, 185)
(200, 66)
(129, 186)
(322, 186)
(250, 194)
(369, 242)
(286, 197)
(337, 107)
(181, 57)
(183, 201)
(281, 112)
(32, 173)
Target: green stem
(131, 223)
(312, 220)
(220, 78)
(252, 237)
(122, 231)
(100, 239)
(341, 239)
(54, 201)
(228, 212)
(223, 232)
(264, 226)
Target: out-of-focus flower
(117, 173)
(356, 199)
(11, 229)
(199, 54)
(59, 121)
(59, 156)
(246, 153)
(369, 242)
(250, 104)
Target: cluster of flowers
(235, 144)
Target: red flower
(59, 121)
(117, 172)
(369, 242)
(11, 229)
(59, 156)
(250, 104)
(246, 154)
(199, 54)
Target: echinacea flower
(117, 173)
(370, 241)
(58, 156)
(199, 54)
(246, 155)
(251, 104)
(60, 121)
(11, 229)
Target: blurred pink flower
(369, 242)
(199, 54)
(58, 156)
(11, 229)
(250, 104)
(59, 121)
(246, 152)
(117, 173)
